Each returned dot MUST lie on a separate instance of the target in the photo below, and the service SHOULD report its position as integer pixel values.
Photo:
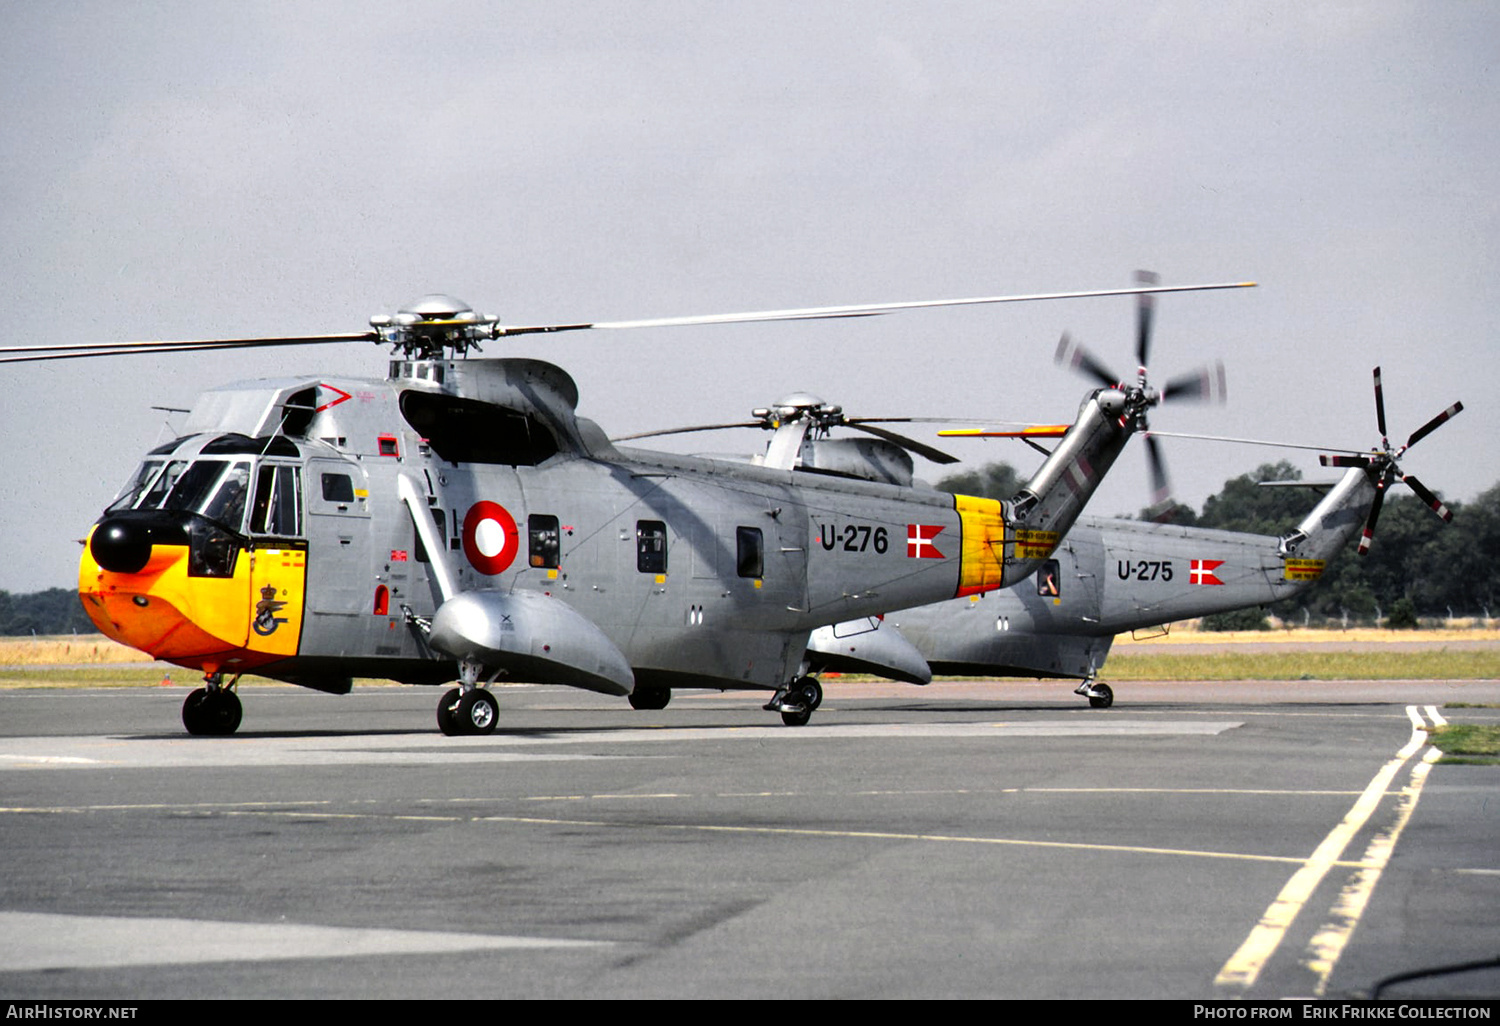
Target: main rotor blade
(1076, 357)
(1253, 441)
(1145, 309)
(69, 351)
(1433, 424)
(688, 430)
(914, 420)
(1202, 384)
(1363, 462)
(867, 310)
(1433, 502)
(1380, 409)
(920, 448)
(76, 350)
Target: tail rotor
(1382, 465)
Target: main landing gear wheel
(446, 723)
(650, 698)
(212, 712)
(1103, 697)
(797, 705)
(468, 712)
(477, 712)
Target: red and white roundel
(491, 540)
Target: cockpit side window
(227, 505)
(133, 491)
(159, 489)
(277, 509)
(215, 488)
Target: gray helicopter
(1111, 576)
(459, 520)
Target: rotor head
(434, 324)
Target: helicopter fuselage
(310, 529)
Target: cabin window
(750, 544)
(545, 542)
(651, 546)
(1049, 580)
(338, 488)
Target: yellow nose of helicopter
(138, 584)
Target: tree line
(54, 611)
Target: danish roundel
(490, 537)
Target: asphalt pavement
(963, 840)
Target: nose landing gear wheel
(1103, 697)
(212, 713)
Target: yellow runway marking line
(1328, 944)
(1245, 965)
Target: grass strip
(1470, 744)
(1422, 665)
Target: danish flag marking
(919, 544)
(1202, 571)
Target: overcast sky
(203, 169)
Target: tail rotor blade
(1433, 502)
(1380, 408)
(1369, 535)
(1202, 384)
(1076, 357)
(1145, 311)
(1161, 488)
(1433, 424)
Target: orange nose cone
(140, 609)
(153, 609)
(240, 621)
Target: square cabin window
(750, 546)
(651, 546)
(544, 541)
(338, 488)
